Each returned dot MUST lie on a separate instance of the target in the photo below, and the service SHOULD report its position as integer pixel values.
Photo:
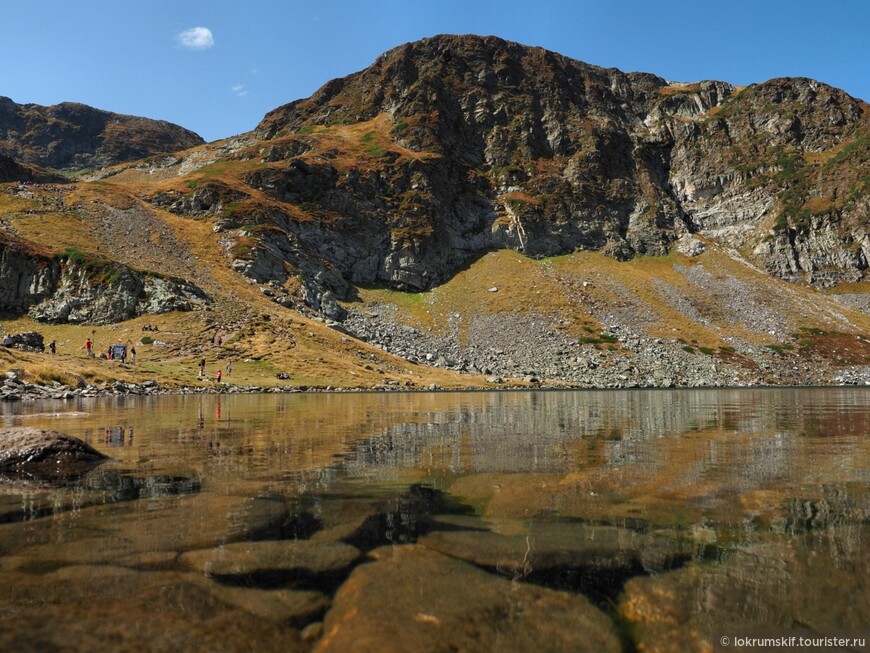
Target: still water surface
(512, 521)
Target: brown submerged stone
(116, 610)
(811, 582)
(249, 558)
(412, 599)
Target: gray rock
(29, 341)
(690, 245)
(39, 451)
(119, 294)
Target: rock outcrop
(72, 136)
(28, 275)
(117, 293)
(78, 288)
(27, 341)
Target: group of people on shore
(119, 352)
(218, 375)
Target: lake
(661, 520)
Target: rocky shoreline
(13, 389)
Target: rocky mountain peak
(73, 136)
(515, 146)
(484, 82)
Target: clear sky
(148, 58)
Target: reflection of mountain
(742, 438)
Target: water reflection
(677, 512)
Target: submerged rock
(412, 599)
(104, 608)
(815, 582)
(171, 524)
(560, 545)
(274, 556)
(279, 605)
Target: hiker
(52, 347)
(201, 368)
(218, 377)
(229, 368)
(132, 355)
(219, 341)
(88, 345)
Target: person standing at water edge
(218, 377)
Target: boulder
(27, 275)
(101, 608)
(29, 341)
(104, 292)
(39, 450)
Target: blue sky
(128, 56)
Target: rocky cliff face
(82, 298)
(72, 288)
(71, 136)
(782, 172)
(452, 146)
(499, 145)
(28, 275)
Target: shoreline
(14, 390)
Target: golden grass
(817, 204)
(363, 142)
(523, 285)
(555, 288)
(58, 231)
(677, 89)
(819, 158)
(519, 196)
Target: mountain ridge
(73, 136)
(371, 200)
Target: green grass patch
(600, 339)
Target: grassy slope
(556, 287)
(260, 337)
